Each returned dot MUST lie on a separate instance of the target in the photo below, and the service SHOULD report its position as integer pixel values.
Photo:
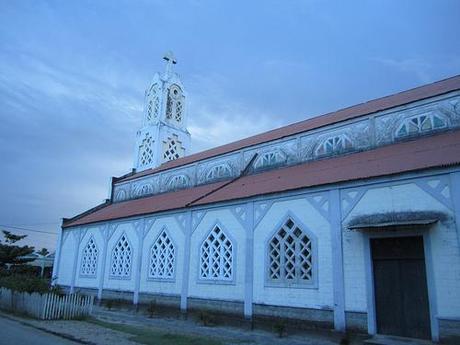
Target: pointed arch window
(420, 124)
(291, 256)
(146, 150)
(218, 172)
(162, 258)
(333, 145)
(89, 259)
(122, 255)
(174, 104)
(153, 105)
(216, 256)
(270, 159)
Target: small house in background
(43, 264)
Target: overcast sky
(73, 74)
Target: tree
(43, 252)
(11, 253)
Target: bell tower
(163, 135)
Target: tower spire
(170, 61)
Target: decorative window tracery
(162, 258)
(420, 124)
(173, 148)
(153, 105)
(218, 172)
(335, 144)
(146, 151)
(216, 257)
(122, 253)
(290, 256)
(178, 182)
(270, 159)
(89, 259)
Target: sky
(73, 75)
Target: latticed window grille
(89, 259)
(216, 256)
(420, 124)
(335, 144)
(146, 150)
(290, 253)
(173, 149)
(179, 108)
(162, 258)
(269, 159)
(219, 171)
(122, 253)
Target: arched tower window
(153, 105)
(216, 256)
(290, 255)
(122, 254)
(162, 258)
(146, 150)
(89, 259)
(420, 124)
(175, 104)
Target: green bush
(25, 283)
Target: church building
(349, 220)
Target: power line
(26, 229)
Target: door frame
(423, 231)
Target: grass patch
(153, 337)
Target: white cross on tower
(170, 61)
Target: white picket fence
(47, 306)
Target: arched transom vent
(216, 256)
(290, 256)
(420, 124)
(178, 182)
(146, 150)
(143, 189)
(334, 144)
(270, 159)
(122, 254)
(175, 104)
(172, 148)
(89, 259)
(153, 105)
(218, 172)
(162, 258)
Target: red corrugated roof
(424, 153)
(419, 93)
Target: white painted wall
(319, 297)
(177, 236)
(235, 231)
(443, 238)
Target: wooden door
(401, 295)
